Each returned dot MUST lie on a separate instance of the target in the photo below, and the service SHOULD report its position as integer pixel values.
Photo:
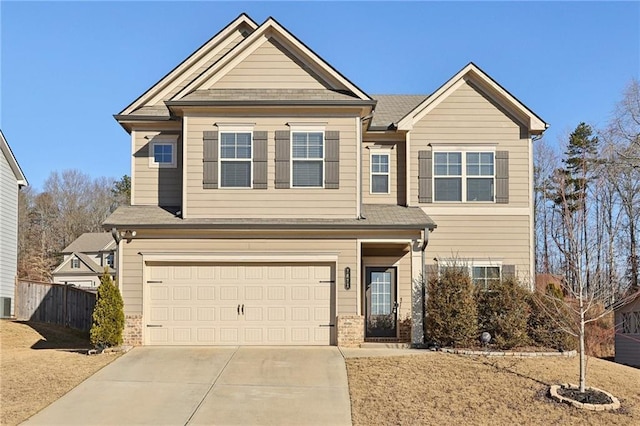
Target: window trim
(307, 129)
(164, 140)
(463, 150)
(234, 130)
(373, 152)
(469, 265)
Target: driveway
(206, 386)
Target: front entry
(381, 307)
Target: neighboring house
(274, 202)
(11, 180)
(85, 260)
(627, 324)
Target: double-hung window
(75, 263)
(380, 173)
(235, 159)
(307, 168)
(464, 176)
(482, 273)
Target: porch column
(417, 329)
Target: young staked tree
(108, 314)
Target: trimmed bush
(452, 318)
(503, 311)
(108, 315)
(548, 313)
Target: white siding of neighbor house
(627, 346)
(8, 229)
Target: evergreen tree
(108, 315)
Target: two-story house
(274, 202)
(85, 260)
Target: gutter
(248, 102)
(268, 226)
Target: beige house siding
(83, 268)
(344, 249)
(627, 345)
(271, 202)
(85, 281)
(155, 186)
(504, 239)
(396, 171)
(468, 117)
(268, 67)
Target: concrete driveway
(207, 386)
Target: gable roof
(91, 242)
(267, 30)
(192, 61)
(11, 159)
(488, 86)
(94, 268)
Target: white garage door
(240, 304)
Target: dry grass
(38, 364)
(438, 388)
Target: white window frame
(307, 129)
(469, 265)
(235, 130)
(463, 151)
(164, 140)
(387, 153)
(75, 263)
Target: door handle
(395, 307)
(238, 309)
(243, 309)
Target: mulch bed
(589, 396)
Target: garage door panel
(202, 304)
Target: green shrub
(548, 313)
(503, 311)
(452, 318)
(108, 315)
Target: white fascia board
(491, 88)
(211, 47)
(261, 35)
(245, 257)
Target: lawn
(38, 364)
(437, 388)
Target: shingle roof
(89, 262)
(268, 95)
(152, 111)
(90, 242)
(391, 108)
(376, 216)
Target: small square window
(162, 154)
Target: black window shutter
(332, 159)
(282, 158)
(425, 178)
(502, 177)
(210, 160)
(260, 160)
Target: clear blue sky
(67, 67)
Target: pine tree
(108, 314)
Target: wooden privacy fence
(54, 303)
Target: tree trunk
(583, 367)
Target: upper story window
(75, 263)
(380, 173)
(110, 259)
(235, 159)
(162, 152)
(307, 158)
(464, 176)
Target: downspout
(362, 120)
(425, 242)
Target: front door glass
(381, 306)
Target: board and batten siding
(155, 186)
(132, 280)
(271, 202)
(627, 345)
(466, 116)
(268, 67)
(504, 239)
(8, 230)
